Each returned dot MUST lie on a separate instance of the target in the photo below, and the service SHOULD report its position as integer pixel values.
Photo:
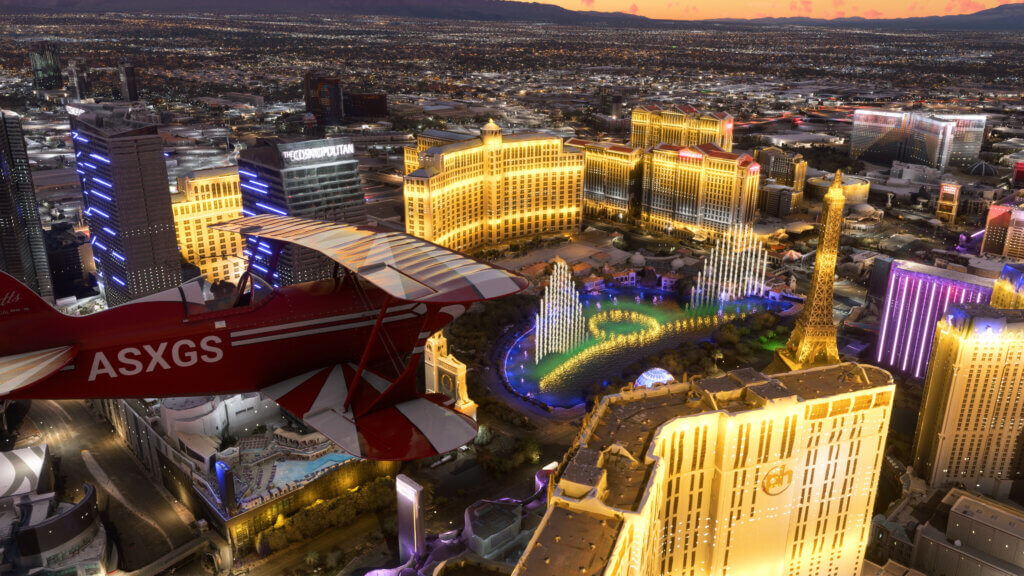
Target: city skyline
(494, 288)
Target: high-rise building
(22, 246)
(703, 189)
(44, 58)
(929, 141)
(917, 296)
(612, 178)
(949, 201)
(786, 169)
(129, 81)
(1008, 291)
(78, 82)
(741, 474)
(1004, 227)
(969, 430)
(127, 203)
(364, 104)
(652, 124)
(316, 179)
(934, 139)
(778, 200)
(968, 136)
(323, 97)
(63, 251)
(469, 192)
(878, 135)
(813, 341)
(1017, 180)
(206, 197)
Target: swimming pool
(295, 470)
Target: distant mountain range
(1008, 17)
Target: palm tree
(312, 558)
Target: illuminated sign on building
(777, 480)
(74, 110)
(330, 151)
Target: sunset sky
(692, 10)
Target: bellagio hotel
(742, 474)
(206, 197)
(465, 192)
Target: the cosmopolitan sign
(331, 151)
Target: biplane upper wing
(405, 267)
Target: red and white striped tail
(21, 370)
(409, 430)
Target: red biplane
(340, 354)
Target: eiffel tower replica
(813, 341)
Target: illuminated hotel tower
(22, 246)
(612, 178)
(464, 192)
(813, 341)
(652, 124)
(919, 295)
(970, 426)
(127, 202)
(316, 179)
(734, 270)
(206, 197)
(560, 324)
(703, 189)
(743, 474)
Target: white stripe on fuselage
(336, 328)
(317, 321)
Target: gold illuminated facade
(742, 474)
(971, 423)
(207, 197)
(612, 178)
(1008, 291)
(652, 124)
(813, 341)
(470, 192)
(703, 189)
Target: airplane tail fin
(18, 302)
(24, 316)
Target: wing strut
(374, 335)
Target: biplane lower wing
(416, 428)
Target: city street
(145, 523)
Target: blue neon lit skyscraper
(310, 179)
(22, 247)
(127, 203)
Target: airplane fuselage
(167, 348)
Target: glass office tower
(22, 247)
(127, 203)
(310, 179)
(46, 71)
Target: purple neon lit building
(916, 297)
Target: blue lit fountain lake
(624, 325)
